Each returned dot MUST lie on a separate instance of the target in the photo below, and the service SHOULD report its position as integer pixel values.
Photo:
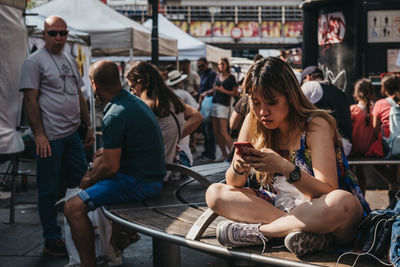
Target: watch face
(295, 175)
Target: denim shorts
(121, 188)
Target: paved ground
(21, 243)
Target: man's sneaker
(234, 234)
(55, 248)
(302, 243)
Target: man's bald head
(105, 75)
(55, 34)
(54, 20)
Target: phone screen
(240, 145)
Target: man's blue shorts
(121, 188)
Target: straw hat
(175, 77)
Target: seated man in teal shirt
(131, 165)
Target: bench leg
(14, 173)
(166, 254)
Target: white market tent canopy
(13, 45)
(111, 33)
(188, 46)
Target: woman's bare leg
(218, 136)
(338, 212)
(240, 204)
(226, 138)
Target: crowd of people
(300, 126)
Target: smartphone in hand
(240, 145)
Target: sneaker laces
(249, 233)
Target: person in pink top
(361, 117)
(380, 122)
(380, 119)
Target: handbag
(374, 236)
(375, 232)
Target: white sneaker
(302, 243)
(234, 234)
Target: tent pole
(93, 112)
(154, 33)
(130, 55)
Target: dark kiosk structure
(351, 39)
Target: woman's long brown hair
(156, 89)
(272, 74)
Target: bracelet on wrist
(236, 171)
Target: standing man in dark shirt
(207, 80)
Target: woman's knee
(215, 194)
(343, 205)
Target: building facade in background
(245, 27)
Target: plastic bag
(102, 234)
(206, 106)
(288, 196)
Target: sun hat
(175, 77)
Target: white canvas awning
(13, 45)
(111, 33)
(188, 46)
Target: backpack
(392, 143)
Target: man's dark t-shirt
(130, 124)
(207, 80)
(336, 100)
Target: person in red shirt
(361, 117)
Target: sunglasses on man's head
(54, 33)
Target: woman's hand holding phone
(266, 160)
(243, 148)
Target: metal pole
(165, 253)
(154, 33)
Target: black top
(229, 83)
(336, 100)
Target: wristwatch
(294, 175)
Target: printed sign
(384, 26)
(293, 29)
(249, 28)
(331, 28)
(271, 29)
(236, 32)
(200, 28)
(223, 28)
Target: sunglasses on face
(54, 33)
(132, 87)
